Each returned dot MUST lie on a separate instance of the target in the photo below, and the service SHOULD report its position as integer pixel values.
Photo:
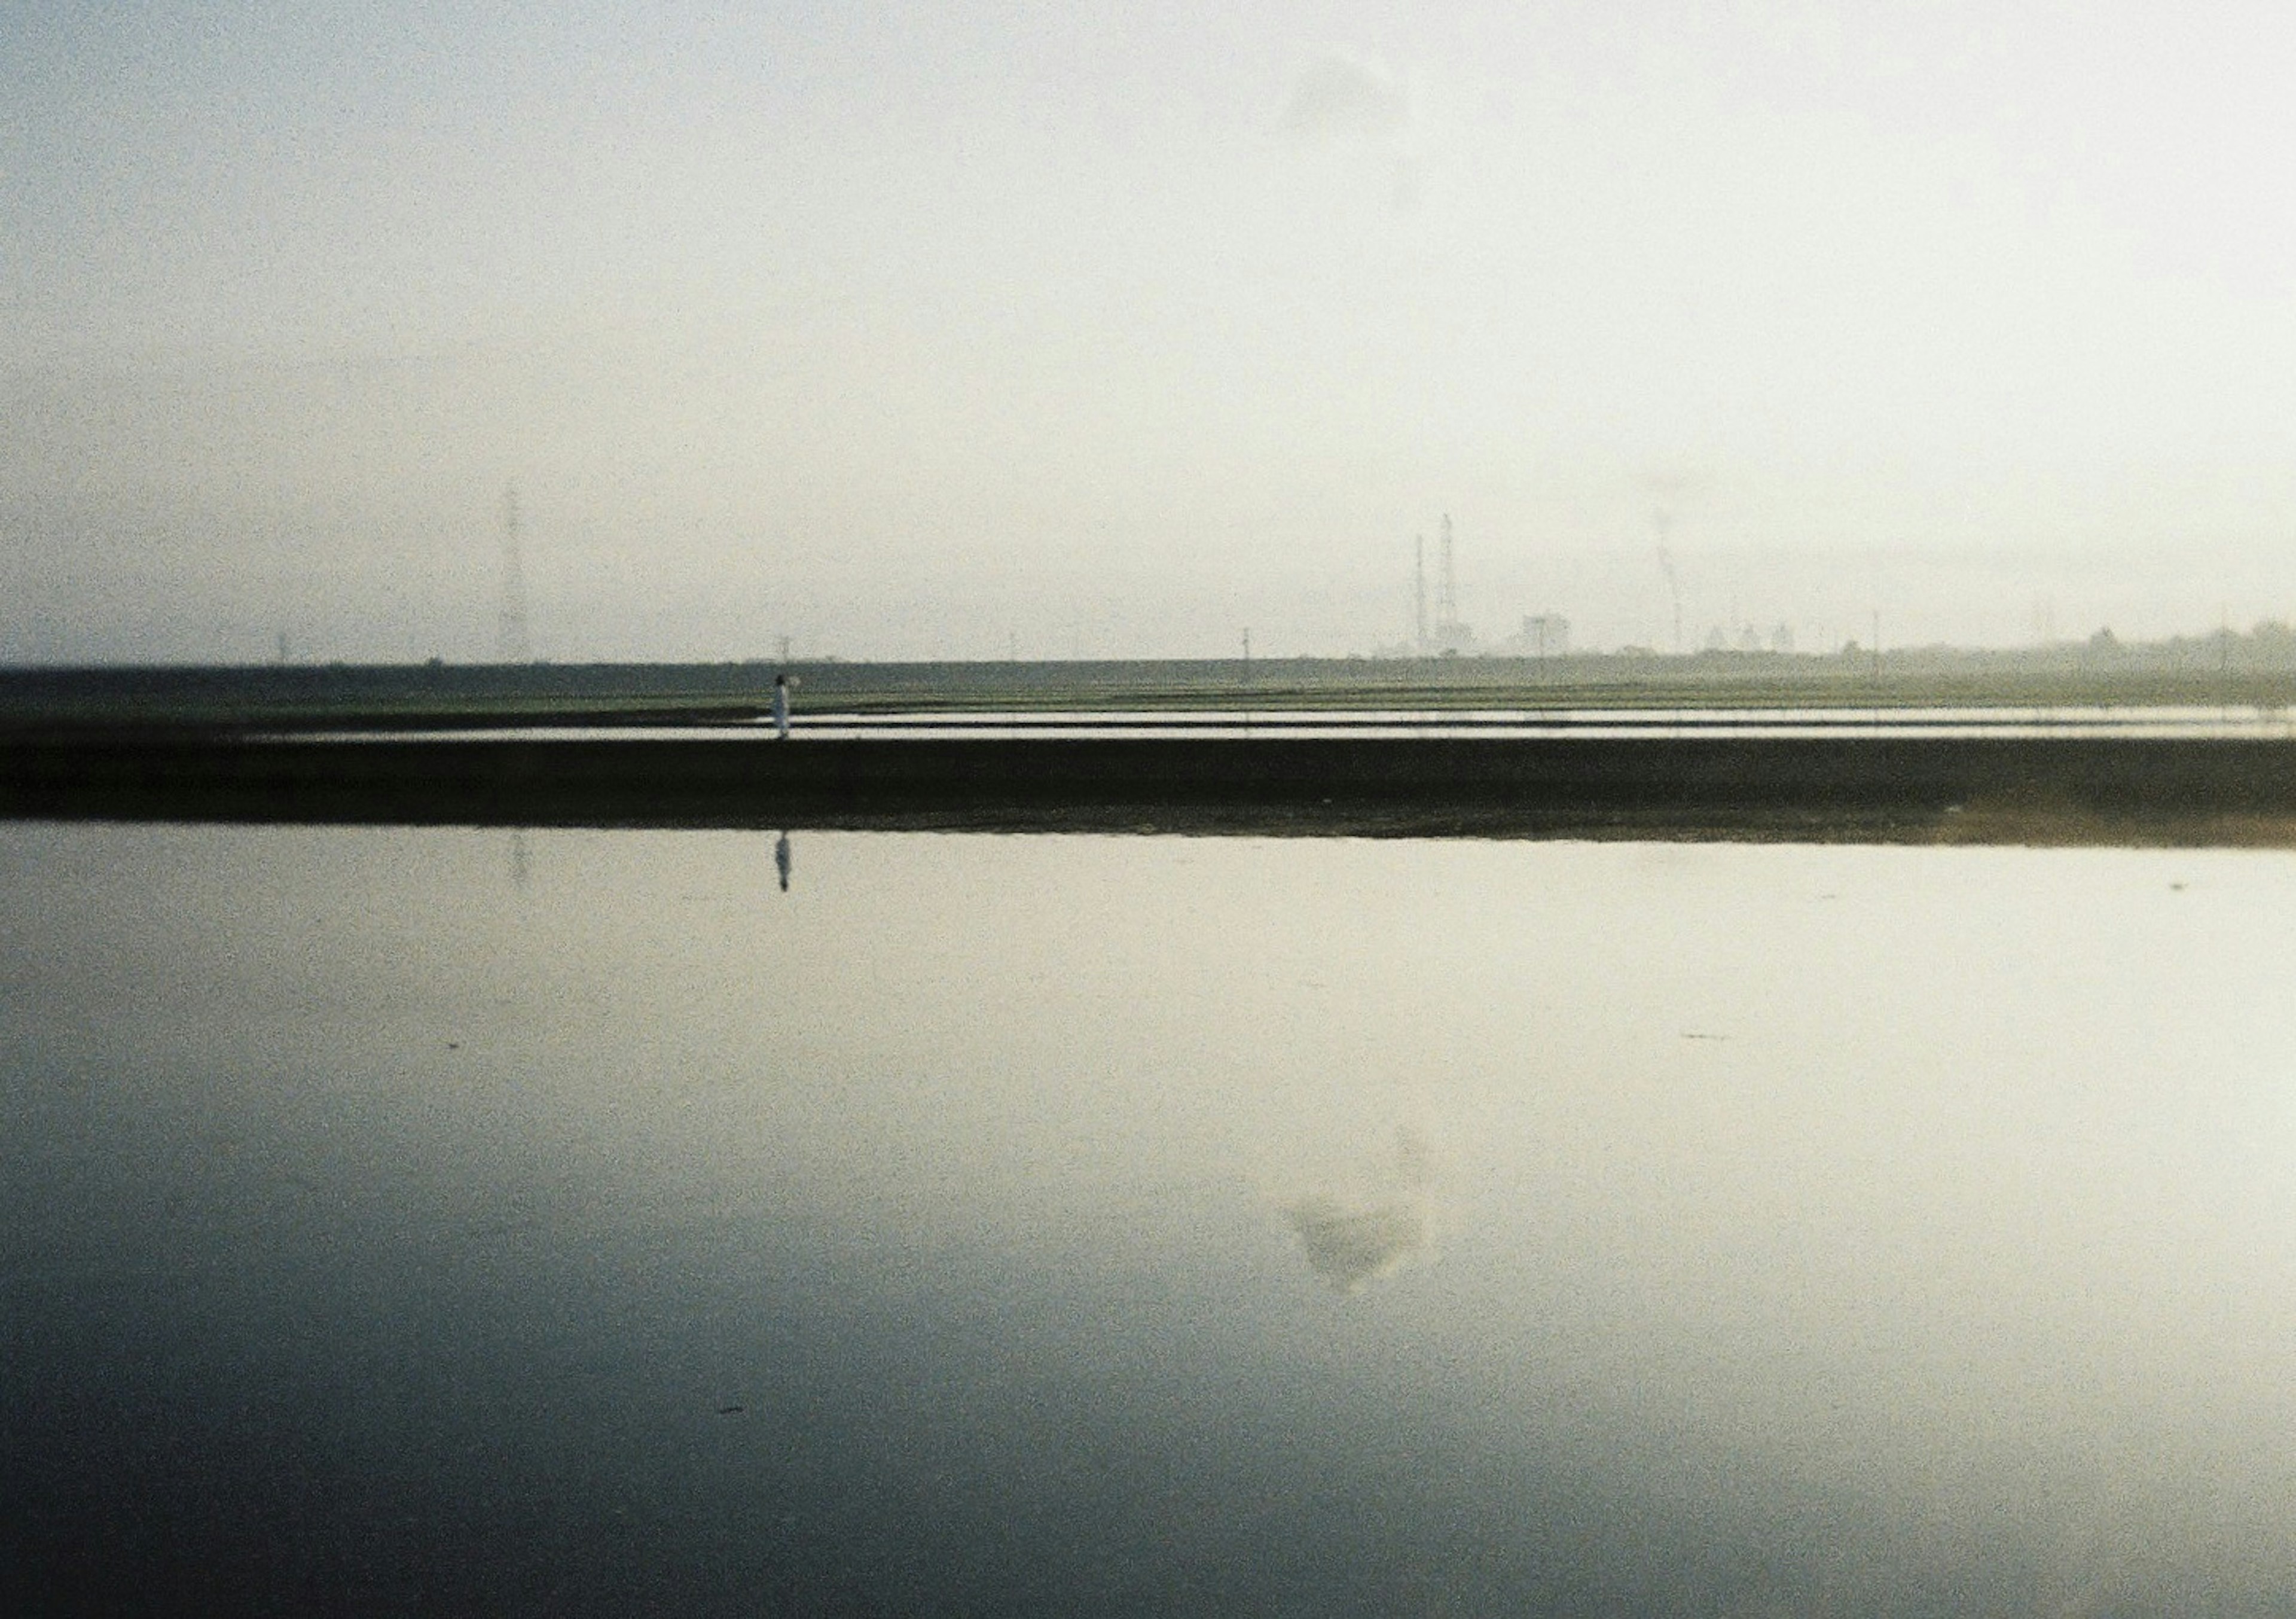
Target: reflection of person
(782, 859)
(781, 707)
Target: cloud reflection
(1349, 1247)
(1352, 1242)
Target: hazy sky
(907, 331)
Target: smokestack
(1663, 521)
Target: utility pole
(2223, 658)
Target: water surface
(415, 1221)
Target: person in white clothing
(781, 707)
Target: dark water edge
(2174, 791)
(447, 1463)
(279, 1441)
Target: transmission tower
(511, 643)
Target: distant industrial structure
(1443, 633)
(1747, 638)
(1544, 635)
(1447, 638)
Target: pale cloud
(1339, 97)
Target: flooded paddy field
(400, 1219)
(404, 696)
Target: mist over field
(924, 331)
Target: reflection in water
(369, 1242)
(782, 859)
(519, 870)
(1348, 1247)
(1382, 1226)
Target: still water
(406, 1220)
